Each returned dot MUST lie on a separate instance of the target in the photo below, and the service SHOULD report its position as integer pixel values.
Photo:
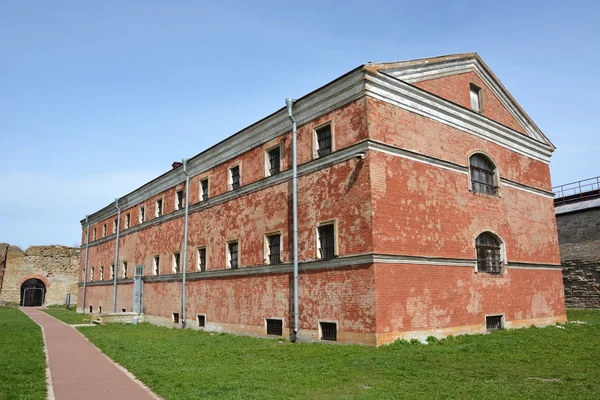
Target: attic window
(159, 208)
(324, 140)
(142, 214)
(179, 200)
(475, 97)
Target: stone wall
(56, 266)
(579, 237)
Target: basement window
(274, 327)
(273, 249)
(232, 255)
(159, 208)
(127, 220)
(176, 265)
(494, 322)
(142, 214)
(234, 177)
(328, 330)
(204, 189)
(104, 230)
(179, 200)
(202, 259)
(91, 309)
(201, 320)
(273, 161)
(156, 265)
(326, 241)
(101, 273)
(324, 140)
(92, 275)
(94, 235)
(475, 97)
(175, 317)
(100, 309)
(124, 269)
(123, 310)
(489, 254)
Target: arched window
(489, 256)
(483, 173)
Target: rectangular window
(273, 161)
(124, 269)
(328, 330)
(274, 327)
(159, 208)
(326, 241)
(127, 220)
(201, 320)
(100, 309)
(324, 140)
(176, 265)
(273, 249)
(179, 200)
(234, 177)
(475, 97)
(175, 317)
(112, 271)
(92, 275)
(101, 273)
(91, 309)
(204, 189)
(494, 322)
(232, 255)
(142, 214)
(156, 265)
(202, 259)
(115, 223)
(104, 230)
(94, 235)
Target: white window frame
(230, 176)
(336, 249)
(156, 265)
(315, 141)
(267, 163)
(267, 249)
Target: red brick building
(424, 208)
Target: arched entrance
(33, 292)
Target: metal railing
(577, 191)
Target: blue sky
(96, 98)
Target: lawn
(71, 316)
(540, 363)
(22, 359)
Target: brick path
(78, 369)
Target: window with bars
(176, 265)
(101, 273)
(179, 200)
(127, 220)
(204, 189)
(475, 97)
(142, 214)
(489, 257)
(483, 171)
(112, 271)
(202, 259)
(156, 265)
(124, 269)
(273, 159)
(92, 275)
(273, 248)
(324, 140)
(159, 207)
(274, 327)
(494, 322)
(328, 330)
(326, 241)
(232, 254)
(234, 177)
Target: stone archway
(33, 293)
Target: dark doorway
(33, 292)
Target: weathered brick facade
(397, 187)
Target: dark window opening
(104, 230)
(91, 309)
(179, 200)
(176, 259)
(274, 249)
(324, 140)
(33, 293)
(274, 158)
(156, 265)
(204, 189)
(275, 327)
(482, 175)
(124, 269)
(235, 177)
(100, 309)
(493, 323)
(159, 207)
(175, 317)
(326, 242)
(202, 259)
(489, 258)
(201, 320)
(233, 255)
(142, 214)
(328, 331)
(115, 225)
(123, 310)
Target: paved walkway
(78, 369)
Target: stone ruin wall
(56, 266)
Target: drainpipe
(185, 236)
(85, 265)
(115, 270)
(290, 102)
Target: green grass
(22, 359)
(71, 316)
(542, 363)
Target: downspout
(85, 265)
(116, 268)
(185, 236)
(290, 102)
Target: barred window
(274, 249)
(273, 159)
(202, 259)
(483, 174)
(489, 258)
(324, 140)
(232, 250)
(179, 200)
(159, 208)
(326, 241)
(234, 177)
(204, 189)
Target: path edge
(49, 385)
